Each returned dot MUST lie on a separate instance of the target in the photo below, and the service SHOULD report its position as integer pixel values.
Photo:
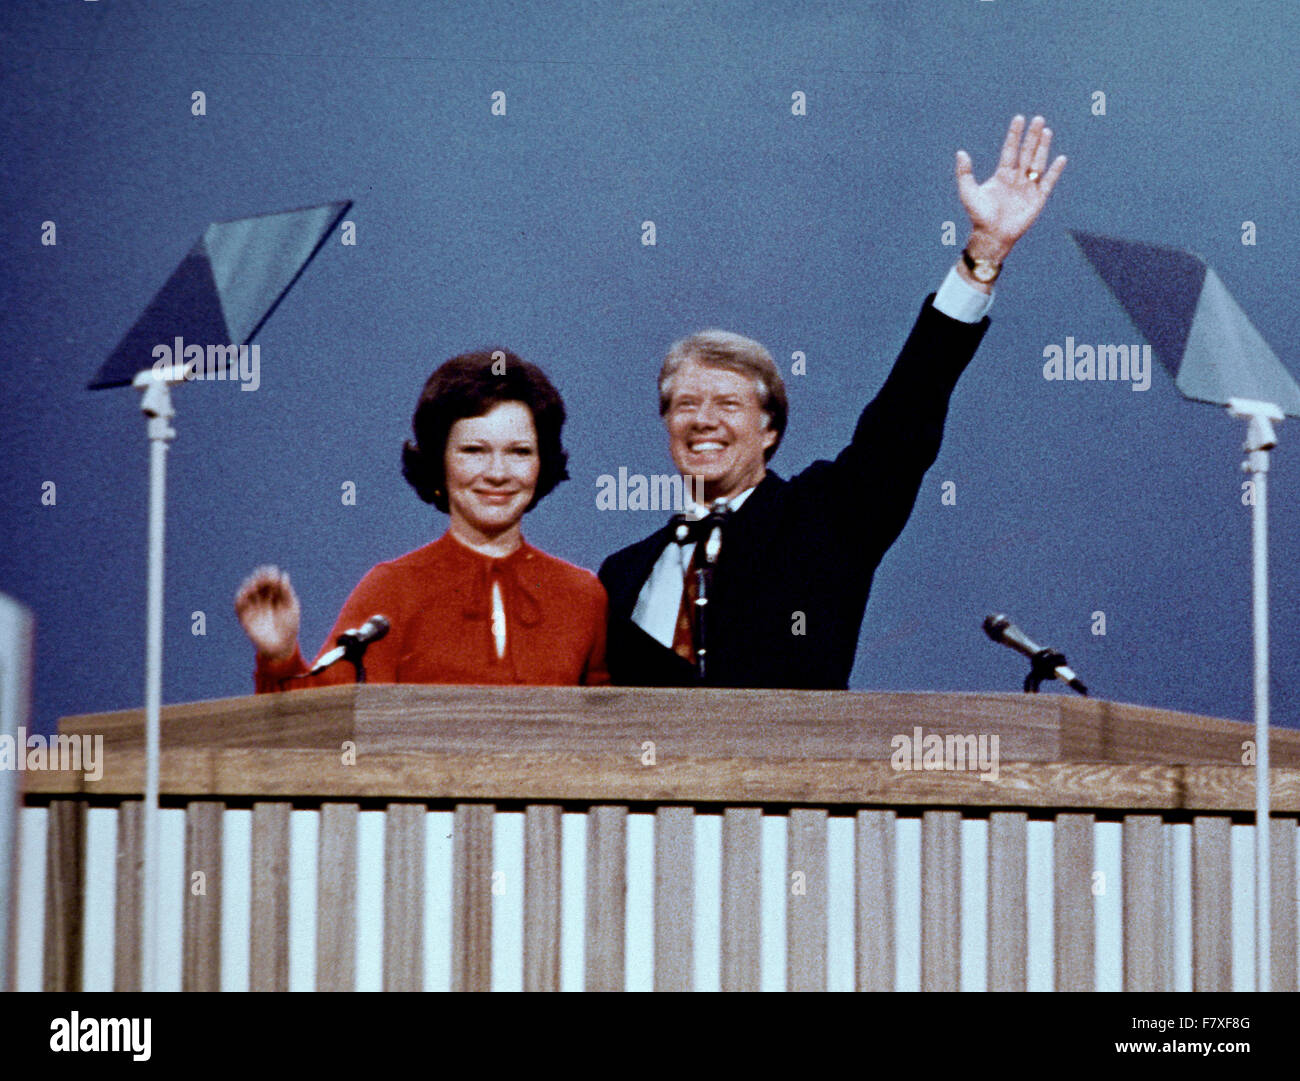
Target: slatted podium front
(468, 838)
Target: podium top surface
(836, 724)
(375, 743)
(397, 718)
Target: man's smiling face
(717, 429)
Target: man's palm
(1009, 201)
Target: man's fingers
(966, 186)
(1011, 144)
(1050, 177)
(1039, 161)
(1030, 146)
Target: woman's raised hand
(268, 611)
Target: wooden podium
(969, 769)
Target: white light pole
(156, 404)
(1260, 439)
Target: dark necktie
(684, 632)
(685, 531)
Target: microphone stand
(1043, 665)
(355, 652)
(348, 649)
(711, 533)
(703, 579)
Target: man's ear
(769, 434)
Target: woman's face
(492, 464)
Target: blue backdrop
(818, 233)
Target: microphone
(688, 530)
(713, 546)
(371, 630)
(353, 642)
(1002, 630)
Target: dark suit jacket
(800, 555)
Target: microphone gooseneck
(1045, 663)
(352, 645)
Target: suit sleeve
(871, 486)
(378, 593)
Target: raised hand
(268, 611)
(1004, 207)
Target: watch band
(983, 270)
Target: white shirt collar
(699, 510)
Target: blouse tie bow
(520, 602)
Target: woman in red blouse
(479, 605)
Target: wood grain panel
(606, 898)
(806, 901)
(1211, 904)
(336, 898)
(234, 773)
(471, 901)
(1282, 902)
(542, 896)
(742, 897)
(128, 902)
(1008, 916)
(941, 901)
(404, 828)
(695, 722)
(201, 916)
(1074, 917)
(1145, 889)
(268, 968)
(674, 909)
(65, 885)
(873, 925)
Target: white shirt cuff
(960, 300)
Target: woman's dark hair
(469, 386)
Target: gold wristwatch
(982, 270)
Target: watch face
(981, 269)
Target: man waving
(788, 564)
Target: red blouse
(438, 601)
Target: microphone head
(995, 624)
(375, 628)
(371, 630)
(713, 546)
